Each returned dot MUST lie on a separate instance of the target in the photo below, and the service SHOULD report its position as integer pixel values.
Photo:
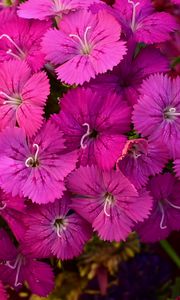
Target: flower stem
(171, 252)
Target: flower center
(17, 265)
(133, 19)
(11, 100)
(109, 200)
(20, 55)
(171, 113)
(86, 47)
(90, 134)
(32, 161)
(135, 152)
(60, 225)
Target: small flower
(20, 39)
(165, 214)
(35, 168)
(108, 200)
(140, 20)
(157, 113)
(22, 96)
(95, 124)
(140, 159)
(54, 230)
(15, 268)
(86, 44)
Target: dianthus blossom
(108, 201)
(95, 124)
(164, 218)
(35, 168)
(15, 268)
(22, 96)
(85, 45)
(53, 230)
(140, 159)
(157, 113)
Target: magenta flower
(11, 210)
(43, 9)
(95, 125)
(54, 230)
(140, 20)
(157, 113)
(140, 159)
(109, 201)
(20, 39)
(15, 268)
(127, 77)
(22, 96)
(87, 44)
(165, 215)
(3, 295)
(35, 168)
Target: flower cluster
(108, 159)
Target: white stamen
(172, 205)
(17, 265)
(172, 112)
(37, 151)
(9, 51)
(162, 217)
(84, 43)
(3, 205)
(84, 136)
(105, 208)
(133, 21)
(31, 160)
(59, 228)
(10, 100)
(108, 202)
(13, 43)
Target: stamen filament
(88, 132)
(133, 21)
(59, 228)
(84, 43)
(10, 100)
(31, 160)
(172, 205)
(12, 42)
(17, 265)
(9, 51)
(162, 217)
(3, 205)
(107, 203)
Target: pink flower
(35, 168)
(139, 19)
(87, 44)
(22, 96)
(157, 113)
(94, 124)
(140, 159)
(165, 215)
(21, 39)
(43, 9)
(54, 230)
(15, 268)
(109, 201)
